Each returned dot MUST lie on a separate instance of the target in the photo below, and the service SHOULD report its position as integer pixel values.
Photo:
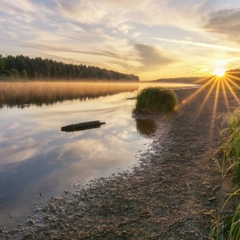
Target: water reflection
(25, 94)
(36, 157)
(146, 127)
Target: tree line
(234, 72)
(24, 67)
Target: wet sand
(167, 196)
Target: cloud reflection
(37, 157)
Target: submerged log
(82, 126)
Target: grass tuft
(231, 146)
(155, 99)
(228, 226)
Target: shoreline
(167, 196)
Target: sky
(149, 38)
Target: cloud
(19, 152)
(199, 44)
(22, 5)
(150, 57)
(82, 11)
(21, 10)
(118, 14)
(225, 22)
(105, 32)
(64, 49)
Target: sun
(219, 71)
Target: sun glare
(225, 84)
(219, 71)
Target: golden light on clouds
(151, 39)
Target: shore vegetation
(155, 99)
(228, 225)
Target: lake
(38, 160)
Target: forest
(234, 73)
(24, 67)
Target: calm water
(38, 161)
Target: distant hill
(179, 80)
(234, 73)
(23, 67)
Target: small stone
(66, 191)
(30, 221)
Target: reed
(227, 227)
(230, 147)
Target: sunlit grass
(231, 145)
(234, 231)
(228, 226)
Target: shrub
(155, 99)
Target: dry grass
(228, 226)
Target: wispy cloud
(199, 44)
(225, 22)
(131, 36)
(21, 10)
(87, 12)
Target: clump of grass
(228, 226)
(234, 231)
(155, 99)
(231, 145)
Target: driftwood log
(82, 126)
